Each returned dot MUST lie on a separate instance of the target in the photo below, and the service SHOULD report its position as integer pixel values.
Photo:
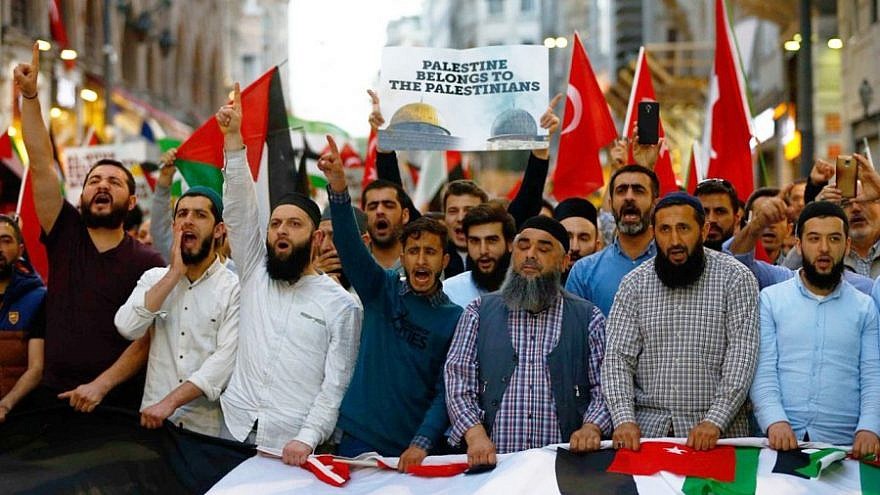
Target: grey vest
(567, 363)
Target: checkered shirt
(677, 357)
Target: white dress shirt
(298, 342)
(195, 339)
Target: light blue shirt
(597, 277)
(461, 289)
(768, 274)
(819, 362)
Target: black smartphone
(649, 122)
(480, 468)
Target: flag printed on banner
(587, 127)
(643, 90)
(807, 463)
(266, 136)
(653, 457)
(728, 131)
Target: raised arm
(46, 188)
(365, 274)
(527, 202)
(160, 209)
(241, 215)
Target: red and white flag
(728, 131)
(643, 90)
(370, 172)
(694, 168)
(587, 127)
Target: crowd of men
(495, 330)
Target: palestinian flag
(265, 131)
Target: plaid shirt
(526, 417)
(677, 357)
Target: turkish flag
(30, 228)
(587, 127)
(693, 176)
(370, 172)
(728, 124)
(652, 457)
(643, 90)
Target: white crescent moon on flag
(577, 105)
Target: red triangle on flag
(730, 153)
(205, 145)
(587, 127)
(643, 90)
(30, 228)
(693, 176)
(652, 457)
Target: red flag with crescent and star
(587, 127)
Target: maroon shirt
(85, 289)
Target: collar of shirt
(836, 293)
(216, 265)
(649, 251)
(438, 298)
(873, 253)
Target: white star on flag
(676, 451)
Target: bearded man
(192, 306)
(682, 337)
(818, 376)
(633, 189)
(523, 368)
(299, 329)
(93, 267)
(489, 231)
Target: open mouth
(824, 263)
(282, 245)
(188, 238)
(630, 214)
(421, 276)
(102, 199)
(382, 225)
(857, 219)
(485, 264)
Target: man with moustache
(396, 403)
(458, 198)
(721, 204)
(93, 267)
(818, 376)
(578, 216)
(299, 330)
(682, 337)
(192, 308)
(523, 368)
(383, 202)
(22, 320)
(489, 230)
(633, 190)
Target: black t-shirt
(85, 290)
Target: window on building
(874, 12)
(526, 5)
(496, 7)
(18, 13)
(249, 67)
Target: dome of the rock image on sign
(515, 124)
(417, 117)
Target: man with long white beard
(523, 368)
(682, 337)
(299, 330)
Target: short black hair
(718, 186)
(464, 187)
(420, 225)
(680, 199)
(16, 229)
(638, 169)
(761, 192)
(490, 213)
(545, 203)
(384, 184)
(819, 209)
(129, 178)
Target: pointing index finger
(555, 100)
(35, 56)
(332, 143)
(374, 99)
(236, 97)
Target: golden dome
(415, 112)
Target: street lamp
(866, 95)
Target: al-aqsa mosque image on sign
(514, 129)
(417, 126)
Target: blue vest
(567, 363)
